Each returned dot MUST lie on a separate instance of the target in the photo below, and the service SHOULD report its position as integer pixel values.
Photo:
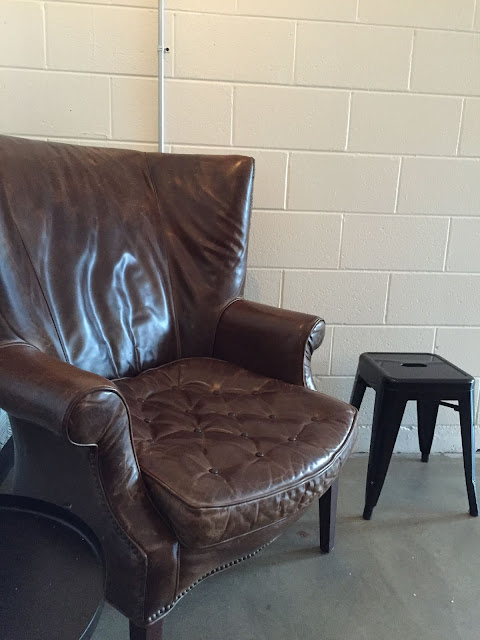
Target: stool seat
(431, 381)
(402, 369)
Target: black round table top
(51, 573)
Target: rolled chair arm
(105, 487)
(72, 403)
(270, 341)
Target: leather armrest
(106, 488)
(72, 403)
(270, 341)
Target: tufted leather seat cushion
(225, 452)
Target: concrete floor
(412, 572)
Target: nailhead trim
(222, 567)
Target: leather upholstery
(53, 394)
(275, 342)
(121, 278)
(107, 251)
(225, 452)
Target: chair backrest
(117, 261)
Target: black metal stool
(431, 381)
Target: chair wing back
(117, 261)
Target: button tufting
(216, 392)
(297, 478)
(315, 419)
(140, 400)
(147, 420)
(174, 387)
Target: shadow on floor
(411, 572)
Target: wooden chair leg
(328, 517)
(153, 632)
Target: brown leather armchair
(176, 418)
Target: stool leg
(465, 405)
(427, 411)
(358, 392)
(388, 413)
(328, 517)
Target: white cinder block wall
(364, 119)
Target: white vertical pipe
(161, 75)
